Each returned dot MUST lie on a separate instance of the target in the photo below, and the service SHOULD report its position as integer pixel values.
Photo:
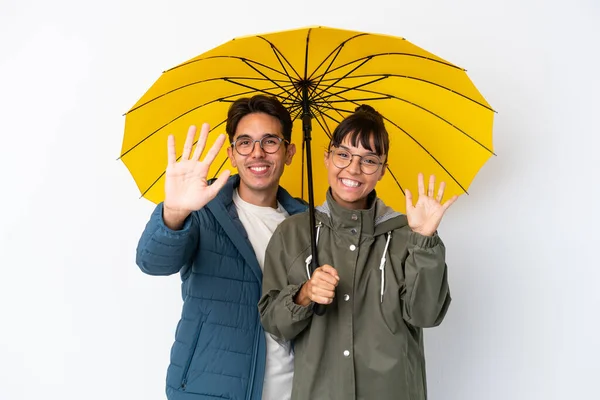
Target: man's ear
(290, 151)
(231, 157)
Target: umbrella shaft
(319, 309)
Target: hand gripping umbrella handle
(318, 309)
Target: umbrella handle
(319, 309)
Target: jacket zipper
(253, 368)
(189, 361)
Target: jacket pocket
(391, 304)
(188, 363)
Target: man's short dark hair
(258, 104)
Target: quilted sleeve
(163, 251)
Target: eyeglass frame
(260, 143)
(352, 155)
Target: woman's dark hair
(362, 125)
(258, 104)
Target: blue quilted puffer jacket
(219, 349)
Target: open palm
(186, 184)
(426, 215)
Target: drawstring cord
(309, 258)
(382, 263)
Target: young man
(215, 236)
(383, 278)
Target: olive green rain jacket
(393, 282)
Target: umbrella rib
(220, 167)
(327, 132)
(319, 106)
(396, 180)
(420, 145)
(243, 59)
(377, 55)
(338, 49)
(278, 53)
(338, 110)
(323, 126)
(346, 89)
(223, 99)
(330, 117)
(278, 85)
(295, 108)
(295, 100)
(416, 79)
(392, 97)
(429, 153)
(267, 78)
(152, 184)
(363, 99)
(327, 69)
(196, 83)
(286, 74)
(306, 54)
(351, 71)
(321, 109)
(265, 91)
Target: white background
(80, 321)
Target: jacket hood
(376, 220)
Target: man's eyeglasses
(343, 158)
(269, 144)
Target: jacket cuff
(298, 312)
(158, 215)
(424, 241)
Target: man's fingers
(189, 142)
(171, 156)
(214, 150)
(201, 141)
(217, 185)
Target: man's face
(350, 186)
(260, 171)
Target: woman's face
(350, 186)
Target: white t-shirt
(260, 223)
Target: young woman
(382, 277)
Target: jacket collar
(291, 204)
(369, 219)
(223, 209)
